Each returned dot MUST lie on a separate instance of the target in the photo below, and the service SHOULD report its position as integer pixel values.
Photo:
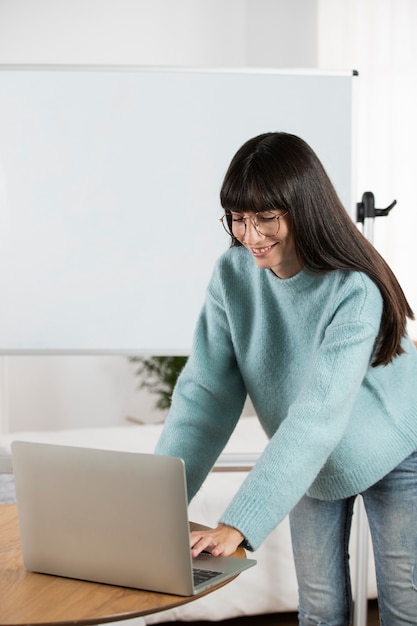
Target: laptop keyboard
(203, 575)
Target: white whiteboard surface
(109, 194)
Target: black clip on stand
(366, 214)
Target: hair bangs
(249, 192)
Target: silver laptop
(111, 517)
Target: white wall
(377, 37)
(216, 33)
(144, 32)
(49, 392)
(281, 33)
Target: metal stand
(366, 214)
(361, 586)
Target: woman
(305, 316)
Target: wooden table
(27, 598)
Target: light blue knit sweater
(301, 348)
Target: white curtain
(377, 38)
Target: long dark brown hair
(281, 171)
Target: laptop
(111, 517)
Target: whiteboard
(109, 193)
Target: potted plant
(158, 374)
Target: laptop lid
(112, 517)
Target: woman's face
(276, 251)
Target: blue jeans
(320, 535)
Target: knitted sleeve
(208, 398)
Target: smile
(262, 251)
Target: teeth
(261, 250)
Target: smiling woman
(318, 352)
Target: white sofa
(271, 586)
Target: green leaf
(159, 374)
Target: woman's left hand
(220, 541)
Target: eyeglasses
(265, 222)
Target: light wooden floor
(276, 619)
